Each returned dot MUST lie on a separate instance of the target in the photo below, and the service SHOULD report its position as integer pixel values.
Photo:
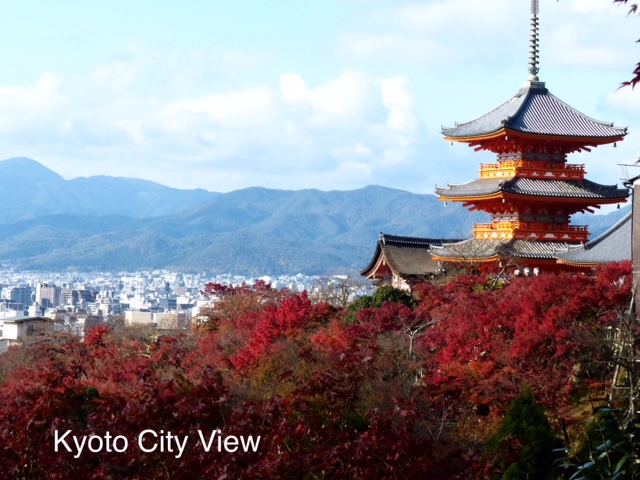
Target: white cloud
(438, 16)
(492, 34)
(353, 96)
(399, 46)
(119, 73)
(592, 34)
(220, 118)
(627, 99)
(590, 6)
(437, 33)
(114, 121)
(399, 103)
(578, 46)
(19, 106)
(361, 149)
(234, 109)
(293, 88)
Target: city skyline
(332, 95)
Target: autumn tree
(382, 295)
(400, 386)
(226, 302)
(485, 343)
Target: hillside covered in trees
(113, 224)
(470, 379)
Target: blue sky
(293, 94)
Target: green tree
(381, 296)
(523, 445)
(611, 450)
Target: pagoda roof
(482, 250)
(534, 249)
(470, 249)
(534, 110)
(416, 257)
(614, 245)
(405, 256)
(534, 187)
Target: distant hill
(600, 223)
(252, 231)
(28, 189)
(109, 223)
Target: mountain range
(114, 223)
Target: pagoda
(531, 191)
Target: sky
(296, 94)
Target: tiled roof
(405, 256)
(564, 188)
(413, 256)
(534, 187)
(409, 261)
(470, 249)
(614, 245)
(485, 249)
(479, 187)
(533, 249)
(534, 110)
(397, 240)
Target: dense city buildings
(162, 299)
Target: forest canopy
(399, 389)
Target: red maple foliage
(399, 392)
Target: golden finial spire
(533, 57)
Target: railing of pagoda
(548, 170)
(530, 231)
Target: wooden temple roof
(471, 249)
(534, 110)
(403, 256)
(487, 250)
(614, 245)
(533, 187)
(532, 249)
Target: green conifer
(522, 448)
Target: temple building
(401, 261)
(531, 190)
